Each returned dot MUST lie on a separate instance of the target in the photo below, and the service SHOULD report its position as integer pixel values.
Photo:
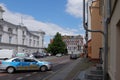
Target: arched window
(10, 30)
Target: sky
(50, 16)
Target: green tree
(57, 46)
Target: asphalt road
(59, 63)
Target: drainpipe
(105, 63)
(106, 22)
(85, 24)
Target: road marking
(19, 78)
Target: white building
(74, 43)
(19, 38)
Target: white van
(6, 53)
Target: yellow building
(96, 38)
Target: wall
(114, 43)
(96, 20)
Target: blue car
(26, 63)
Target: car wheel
(43, 68)
(10, 69)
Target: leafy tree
(57, 46)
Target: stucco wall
(114, 43)
(96, 42)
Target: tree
(57, 46)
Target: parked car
(26, 63)
(58, 55)
(37, 55)
(45, 54)
(73, 56)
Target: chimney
(1, 13)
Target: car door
(23, 65)
(17, 63)
(33, 64)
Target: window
(37, 43)
(0, 38)
(29, 60)
(23, 41)
(1, 28)
(30, 42)
(10, 39)
(16, 60)
(10, 30)
(23, 32)
(34, 43)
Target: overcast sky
(50, 16)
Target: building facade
(74, 43)
(110, 11)
(19, 38)
(95, 23)
(110, 14)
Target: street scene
(60, 65)
(59, 40)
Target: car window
(16, 60)
(29, 60)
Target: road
(58, 64)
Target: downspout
(105, 63)
(106, 23)
(85, 25)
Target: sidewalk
(69, 72)
(79, 70)
(92, 73)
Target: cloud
(32, 24)
(75, 8)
